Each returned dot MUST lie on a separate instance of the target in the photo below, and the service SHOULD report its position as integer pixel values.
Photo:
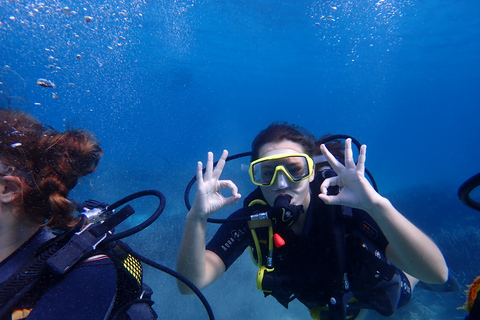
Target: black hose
(466, 188)
(212, 220)
(358, 145)
(190, 184)
(173, 273)
(144, 224)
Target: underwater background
(161, 83)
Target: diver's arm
(201, 266)
(409, 248)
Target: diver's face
(299, 191)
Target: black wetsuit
(303, 265)
(85, 292)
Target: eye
(295, 170)
(268, 172)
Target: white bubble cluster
(69, 41)
(347, 24)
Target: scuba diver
(318, 231)
(38, 168)
(472, 305)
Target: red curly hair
(49, 164)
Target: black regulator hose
(144, 224)
(173, 273)
(466, 188)
(358, 145)
(190, 184)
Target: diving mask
(296, 166)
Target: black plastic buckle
(81, 243)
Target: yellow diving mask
(296, 166)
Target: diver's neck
(14, 236)
(306, 202)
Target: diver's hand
(208, 199)
(355, 190)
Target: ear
(312, 177)
(10, 188)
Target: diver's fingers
(224, 184)
(362, 157)
(209, 168)
(327, 199)
(323, 195)
(336, 165)
(199, 172)
(232, 200)
(235, 195)
(220, 165)
(349, 163)
(333, 181)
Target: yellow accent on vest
(258, 201)
(253, 224)
(19, 314)
(316, 312)
(258, 260)
(134, 267)
(260, 275)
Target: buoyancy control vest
(25, 278)
(337, 259)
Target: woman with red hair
(38, 168)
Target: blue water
(161, 83)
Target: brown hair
(49, 164)
(280, 131)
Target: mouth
(283, 200)
(283, 194)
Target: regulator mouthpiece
(282, 201)
(284, 213)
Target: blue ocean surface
(161, 83)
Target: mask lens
(295, 167)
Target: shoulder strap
(56, 257)
(138, 309)
(333, 217)
(20, 282)
(133, 300)
(28, 250)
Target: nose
(280, 182)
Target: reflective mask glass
(296, 166)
